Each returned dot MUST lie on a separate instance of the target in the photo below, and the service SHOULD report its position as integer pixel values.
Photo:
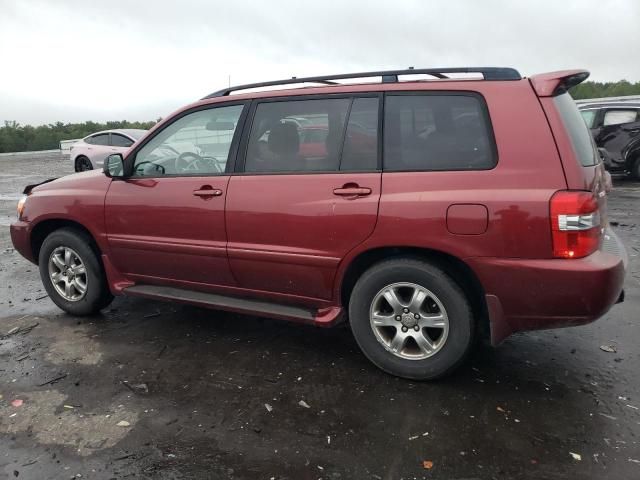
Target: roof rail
(388, 76)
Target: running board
(324, 317)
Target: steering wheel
(192, 162)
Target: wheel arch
(44, 228)
(460, 271)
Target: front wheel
(72, 273)
(411, 319)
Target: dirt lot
(162, 391)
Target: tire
(82, 253)
(635, 171)
(82, 164)
(444, 304)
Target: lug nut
(406, 310)
(404, 329)
(416, 328)
(398, 317)
(416, 316)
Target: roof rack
(388, 76)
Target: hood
(82, 180)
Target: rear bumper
(524, 294)
(20, 237)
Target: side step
(223, 302)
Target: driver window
(196, 144)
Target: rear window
(577, 128)
(437, 132)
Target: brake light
(575, 224)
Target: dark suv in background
(615, 127)
(422, 207)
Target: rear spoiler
(28, 188)
(554, 83)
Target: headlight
(21, 204)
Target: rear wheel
(635, 171)
(72, 273)
(83, 164)
(411, 319)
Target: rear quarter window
(437, 131)
(579, 134)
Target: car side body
(616, 130)
(90, 152)
(293, 245)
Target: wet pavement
(164, 391)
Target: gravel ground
(164, 391)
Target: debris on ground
(19, 330)
(610, 417)
(123, 423)
(633, 460)
(304, 404)
(500, 409)
(608, 348)
(17, 402)
(54, 380)
(576, 456)
(136, 388)
(268, 407)
(427, 464)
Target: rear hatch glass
(580, 135)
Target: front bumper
(21, 239)
(533, 294)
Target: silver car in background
(91, 151)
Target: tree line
(15, 137)
(22, 138)
(604, 89)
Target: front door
(308, 193)
(166, 223)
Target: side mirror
(113, 166)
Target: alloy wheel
(409, 321)
(68, 274)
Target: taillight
(575, 224)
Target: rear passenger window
(360, 151)
(297, 136)
(437, 132)
(101, 139)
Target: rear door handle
(352, 191)
(207, 191)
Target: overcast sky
(76, 60)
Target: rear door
(99, 148)
(302, 201)
(165, 224)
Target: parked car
(473, 205)
(615, 127)
(90, 152)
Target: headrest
(284, 139)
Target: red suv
(434, 207)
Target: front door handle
(352, 190)
(207, 191)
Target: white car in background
(91, 151)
